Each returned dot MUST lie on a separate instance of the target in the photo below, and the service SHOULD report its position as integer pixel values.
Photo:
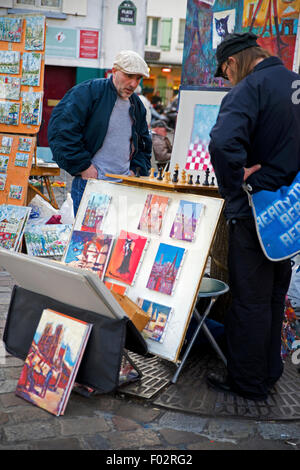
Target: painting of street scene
(90, 251)
(24, 144)
(126, 257)
(34, 33)
(2, 181)
(95, 212)
(47, 240)
(9, 88)
(3, 163)
(10, 29)
(165, 268)
(21, 159)
(158, 319)
(31, 108)
(31, 68)
(15, 192)
(153, 214)
(9, 113)
(12, 220)
(6, 144)
(9, 62)
(186, 220)
(52, 362)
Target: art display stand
(22, 64)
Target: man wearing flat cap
(100, 126)
(255, 143)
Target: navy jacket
(258, 122)
(79, 123)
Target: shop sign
(127, 13)
(61, 42)
(88, 44)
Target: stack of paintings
(22, 47)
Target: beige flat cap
(131, 62)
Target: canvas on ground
(52, 362)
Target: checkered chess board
(198, 157)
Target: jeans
(77, 189)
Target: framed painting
(197, 113)
(164, 267)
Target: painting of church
(186, 220)
(158, 319)
(95, 212)
(165, 268)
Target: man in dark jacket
(100, 126)
(255, 141)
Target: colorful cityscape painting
(95, 212)
(158, 319)
(10, 29)
(21, 159)
(153, 214)
(6, 144)
(34, 33)
(15, 191)
(52, 361)
(186, 220)
(4, 159)
(31, 68)
(126, 257)
(2, 181)
(9, 88)
(12, 221)
(24, 144)
(89, 250)
(47, 240)
(9, 113)
(165, 269)
(9, 62)
(31, 108)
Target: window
(181, 31)
(152, 32)
(166, 34)
(39, 3)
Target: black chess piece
(190, 181)
(160, 170)
(198, 180)
(206, 182)
(212, 181)
(175, 176)
(138, 171)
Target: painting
(24, 144)
(9, 88)
(31, 68)
(52, 362)
(9, 113)
(4, 159)
(165, 269)
(197, 114)
(12, 223)
(2, 181)
(89, 250)
(10, 29)
(159, 316)
(9, 62)
(47, 240)
(186, 220)
(31, 108)
(95, 213)
(15, 191)
(35, 33)
(223, 24)
(126, 257)
(153, 214)
(6, 144)
(21, 159)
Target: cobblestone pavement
(116, 422)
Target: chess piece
(138, 171)
(160, 170)
(183, 177)
(212, 181)
(152, 173)
(197, 180)
(206, 182)
(175, 175)
(190, 181)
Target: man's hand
(90, 172)
(249, 171)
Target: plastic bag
(67, 211)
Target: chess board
(198, 157)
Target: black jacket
(78, 126)
(258, 122)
